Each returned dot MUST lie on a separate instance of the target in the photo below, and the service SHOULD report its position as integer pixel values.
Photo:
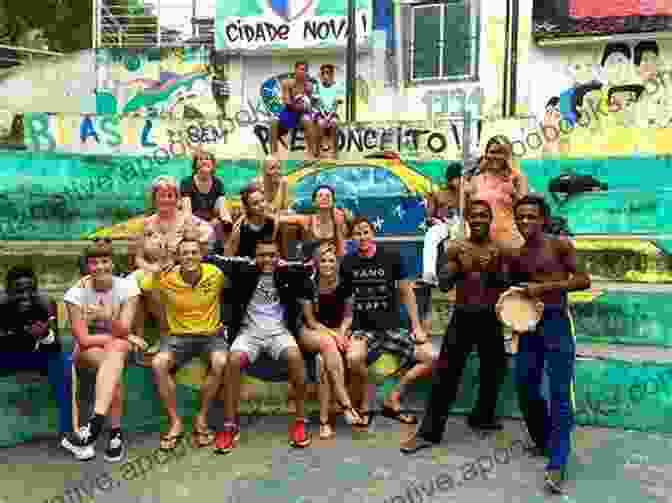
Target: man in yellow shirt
(190, 295)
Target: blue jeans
(58, 367)
(550, 424)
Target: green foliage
(67, 24)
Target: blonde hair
(163, 181)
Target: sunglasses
(106, 240)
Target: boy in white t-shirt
(331, 95)
(101, 308)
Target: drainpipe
(399, 49)
(513, 98)
(507, 60)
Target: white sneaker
(81, 443)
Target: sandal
(398, 415)
(365, 417)
(202, 437)
(326, 430)
(351, 415)
(168, 442)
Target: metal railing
(12, 56)
(115, 25)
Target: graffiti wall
(562, 18)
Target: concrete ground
(608, 466)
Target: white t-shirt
(122, 290)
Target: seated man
(296, 97)
(331, 96)
(101, 308)
(266, 317)
(190, 295)
(378, 277)
(29, 335)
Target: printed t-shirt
(122, 290)
(190, 309)
(265, 312)
(375, 285)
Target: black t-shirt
(249, 237)
(15, 327)
(375, 282)
(202, 205)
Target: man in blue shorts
(296, 96)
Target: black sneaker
(80, 443)
(554, 481)
(116, 448)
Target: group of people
(204, 281)
(311, 107)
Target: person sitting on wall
(266, 319)
(378, 279)
(30, 339)
(273, 185)
(191, 297)
(443, 208)
(86, 261)
(152, 259)
(296, 98)
(330, 97)
(101, 309)
(328, 319)
(256, 224)
(203, 194)
(171, 219)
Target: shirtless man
(295, 114)
(471, 266)
(548, 265)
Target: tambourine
(518, 311)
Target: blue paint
(145, 134)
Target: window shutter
(426, 48)
(457, 40)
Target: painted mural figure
(297, 103)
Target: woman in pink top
(495, 184)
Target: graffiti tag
(364, 139)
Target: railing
(11, 56)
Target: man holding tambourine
(539, 311)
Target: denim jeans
(551, 344)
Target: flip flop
(399, 415)
(366, 419)
(202, 437)
(332, 433)
(168, 442)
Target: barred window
(443, 41)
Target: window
(443, 42)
